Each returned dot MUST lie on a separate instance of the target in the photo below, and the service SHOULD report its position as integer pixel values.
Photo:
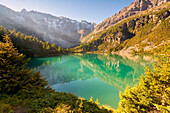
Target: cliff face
(62, 31)
(140, 32)
(134, 8)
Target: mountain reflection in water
(97, 75)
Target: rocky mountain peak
(62, 31)
(23, 10)
(134, 8)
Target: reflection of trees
(118, 71)
(115, 70)
(35, 63)
(64, 70)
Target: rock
(85, 31)
(134, 8)
(165, 15)
(62, 31)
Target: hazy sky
(90, 10)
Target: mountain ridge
(139, 33)
(62, 31)
(134, 8)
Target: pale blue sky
(90, 10)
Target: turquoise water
(92, 75)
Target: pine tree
(14, 75)
(153, 92)
(59, 49)
(14, 31)
(53, 46)
(29, 45)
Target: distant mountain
(134, 8)
(143, 32)
(62, 31)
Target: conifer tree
(14, 75)
(29, 45)
(59, 49)
(153, 92)
(13, 31)
(53, 46)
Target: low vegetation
(23, 90)
(143, 32)
(152, 94)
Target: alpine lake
(99, 76)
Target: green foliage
(153, 92)
(160, 13)
(156, 36)
(50, 102)
(64, 101)
(117, 47)
(5, 108)
(53, 45)
(14, 75)
(26, 91)
(149, 26)
(162, 49)
(31, 46)
(59, 48)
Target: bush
(153, 92)
(5, 108)
(14, 75)
(25, 90)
